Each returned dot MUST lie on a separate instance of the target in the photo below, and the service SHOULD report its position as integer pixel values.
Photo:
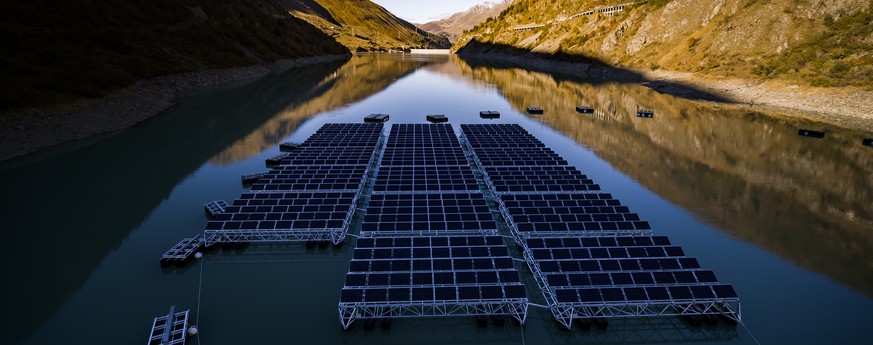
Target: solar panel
(457, 268)
(418, 178)
(621, 269)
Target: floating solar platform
(436, 118)
(427, 214)
(534, 110)
(405, 277)
(182, 252)
(489, 114)
(518, 156)
(645, 113)
(584, 109)
(284, 217)
(309, 196)
(214, 207)
(569, 214)
(625, 277)
(170, 329)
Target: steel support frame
(178, 328)
(566, 312)
(349, 312)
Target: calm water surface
(787, 220)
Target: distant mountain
(362, 25)
(819, 43)
(456, 24)
(61, 51)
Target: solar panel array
(310, 195)
(427, 245)
(590, 255)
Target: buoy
(192, 331)
(198, 255)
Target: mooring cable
(750, 333)
(199, 294)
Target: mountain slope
(362, 25)
(55, 52)
(456, 24)
(817, 42)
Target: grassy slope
(816, 42)
(55, 52)
(363, 24)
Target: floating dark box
(646, 113)
(810, 133)
(867, 142)
(489, 114)
(437, 118)
(376, 118)
(534, 110)
(584, 109)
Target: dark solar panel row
(533, 228)
(431, 252)
(432, 294)
(606, 252)
(345, 135)
(631, 278)
(294, 198)
(432, 278)
(646, 294)
(594, 265)
(324, 221)
(429, 241)
(593, 242)
(454, 264)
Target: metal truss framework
(170, 329)
(349, 312)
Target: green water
(787, 220)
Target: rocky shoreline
(29, 130)
(846, 107)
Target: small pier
(376, 118)
(584, 109)
(288, 146)
(645, 113)
(182, 252)
(489, 114)
(276, 160)
(213, 208)
(535, 110)
(810, 133)
(437, 118)
(170, 329)
(252, 178)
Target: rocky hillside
(453, 26)
(362, 25)
(59, 51)
(816, 42)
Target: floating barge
(535, 110)
(803, 132)
(436, 118)
(252, 178)
(584, 109)
(213, 208)
(645, 113)
(489, 114)
(182, 252)
(376, 118)
(170, 329)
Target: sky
(418, 11)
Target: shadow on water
(476, 54)
(81, 204)
(806, 200)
